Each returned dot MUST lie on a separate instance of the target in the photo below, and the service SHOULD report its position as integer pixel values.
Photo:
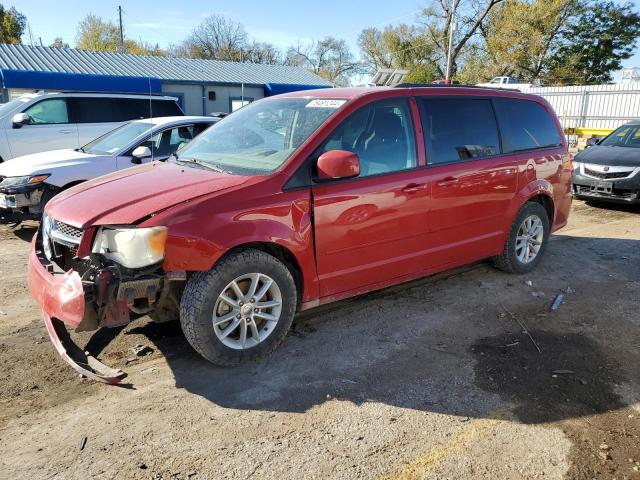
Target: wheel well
(282, 254)
(71, 184)
(547, 203)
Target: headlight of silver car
(131, 247)
(26, 180)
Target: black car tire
(203, 290)
(508, 260)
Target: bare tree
(328, 58)
(216, 38)
(59, 43)
(220, 38)
(262, 52)
(438, 19)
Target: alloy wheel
(247, 311)
(529, 239)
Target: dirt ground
(468, 374)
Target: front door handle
(414, 187)
(66, 131)
(445, 182)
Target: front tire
(527, 240)
(241, 309)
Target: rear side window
(94, 110)
(525, 125)
(165, 108)
(104, 109)
(457, 129)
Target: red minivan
(300, 200)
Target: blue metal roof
(71, 60)
(278, 88)
(78, 81)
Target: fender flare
(531, 190)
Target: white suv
(38, 122)
(27, 183)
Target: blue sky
(281, 22)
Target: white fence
(593, 106)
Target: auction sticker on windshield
(325, 103)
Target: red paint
(61, 296)
(347, 237)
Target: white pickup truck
(507, 82)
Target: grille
(606, 175)
(72, 233)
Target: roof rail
(144, 94)
(452, 85)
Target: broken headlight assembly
(131, 247)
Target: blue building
(202, 86)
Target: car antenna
(150, 115)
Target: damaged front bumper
(91, 297)
(62, 299)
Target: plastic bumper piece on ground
(81, 361)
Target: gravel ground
(467, 374)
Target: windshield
(259, 138)
(628, 136)
(112, 141)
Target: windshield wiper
(200, 163)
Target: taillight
(568, 163)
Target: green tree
(521, 36)
(100, 35)
(143, 48)
(403, 47)
(596, 42)
(438, 20)
(12, 25)
(97, 35)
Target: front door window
(48, 112)
(381, 134)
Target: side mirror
(593, 141)
(20, 119)
(336, 164)
(139, 153)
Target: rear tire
(256, 322)
(527, 240)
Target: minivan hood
(609, 155)
(126, 196)
(43, 162)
